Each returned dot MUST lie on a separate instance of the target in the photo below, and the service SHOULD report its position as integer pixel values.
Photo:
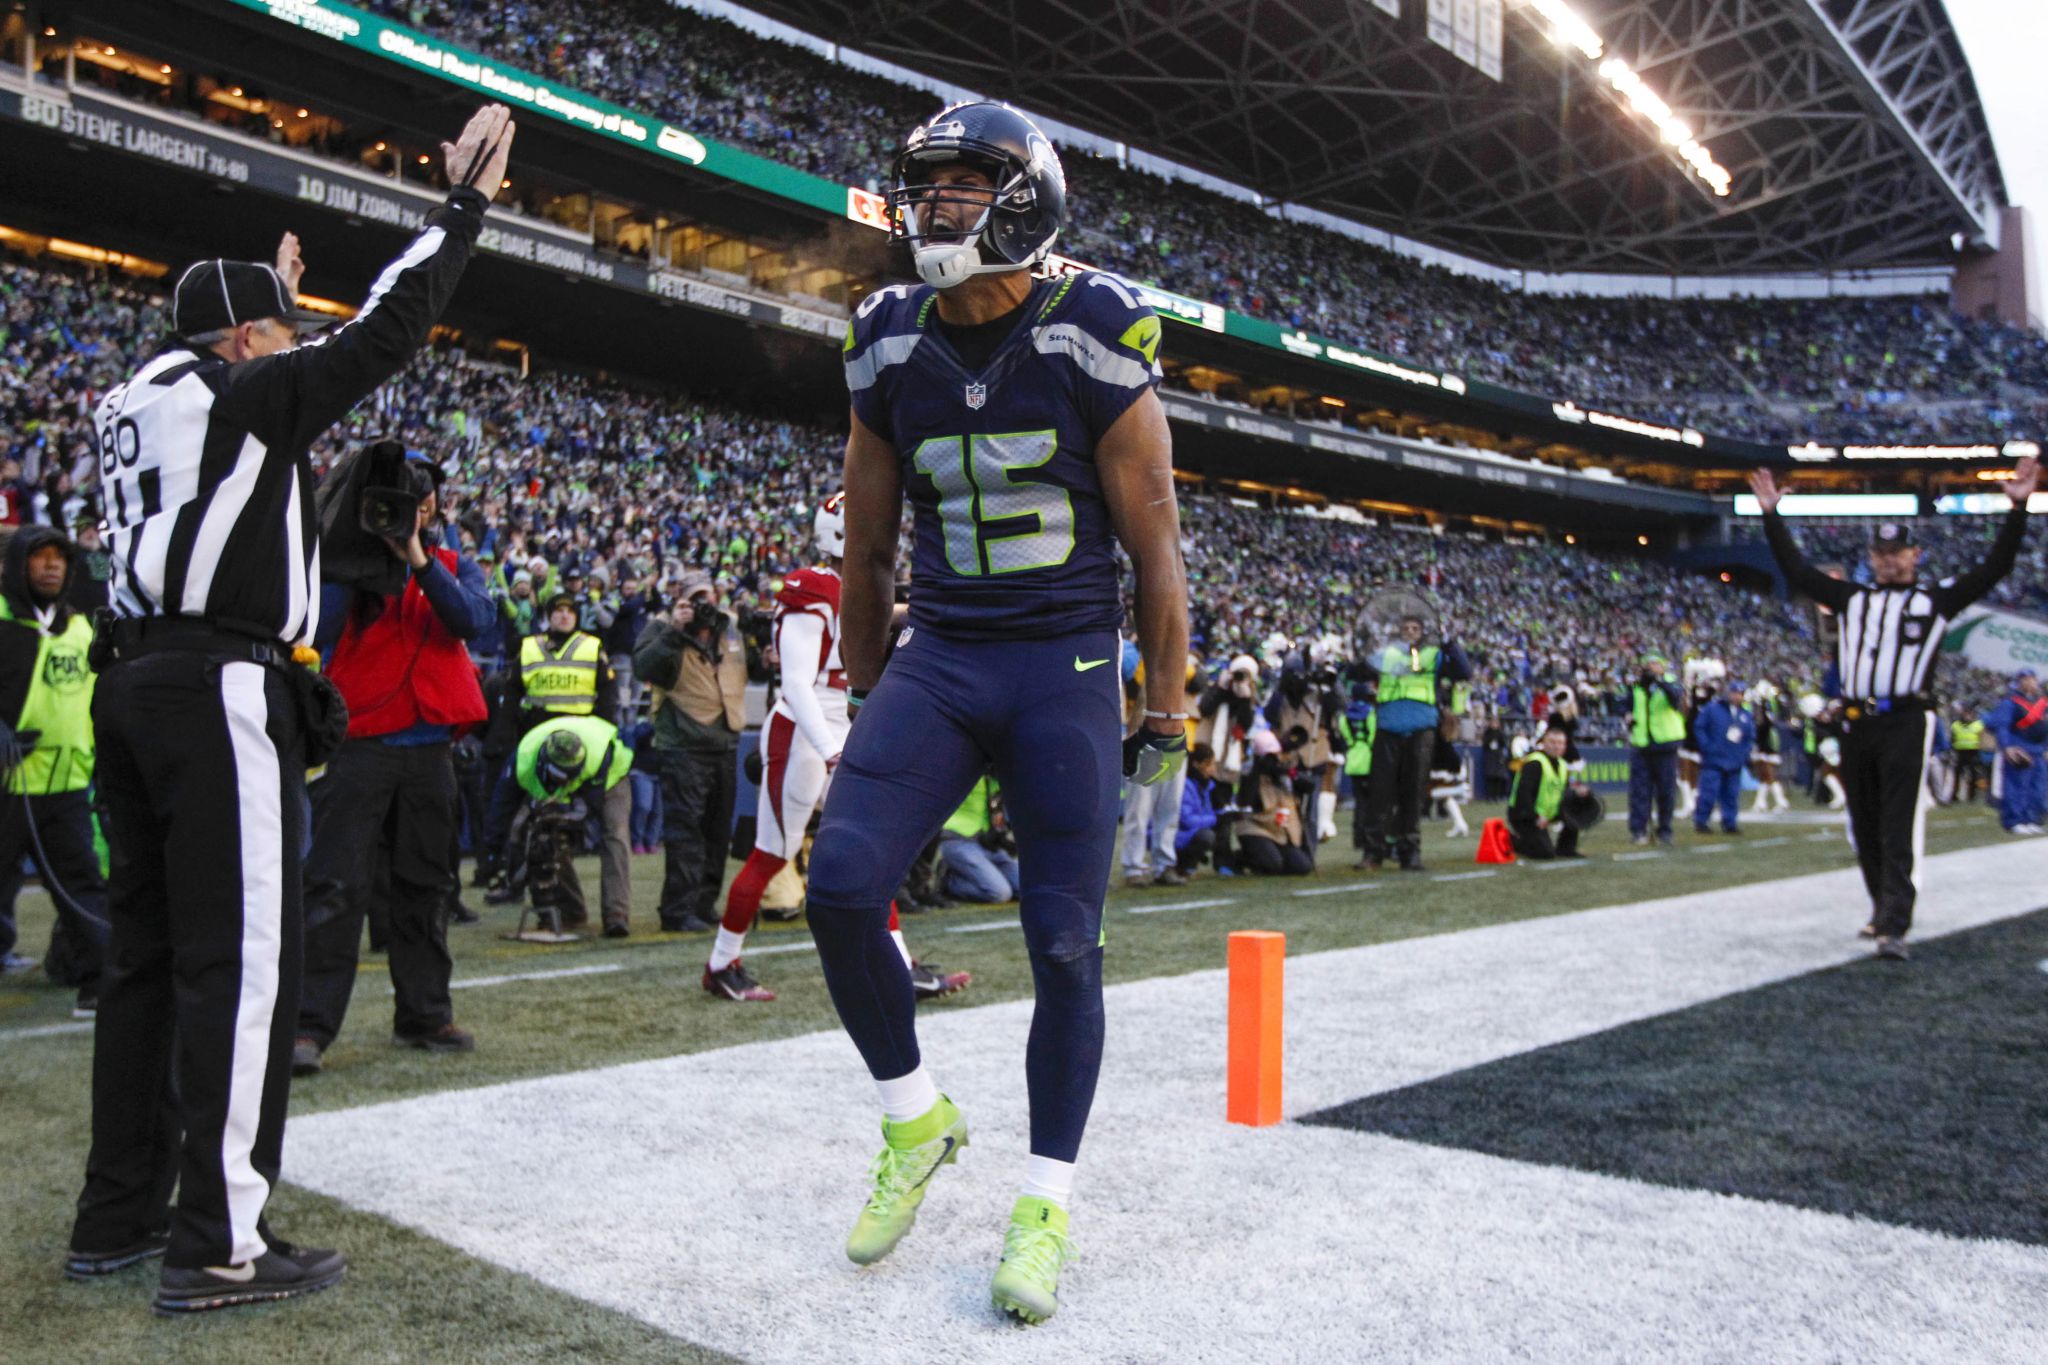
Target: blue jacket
(1197, 809)
(2004, 720)
(1710, 731)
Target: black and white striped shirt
(207, 488)
(1889, 636)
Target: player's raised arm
(874, 506)
(1134, 461)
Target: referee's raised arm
(2005, 550)
(1829, 591)
(291, 397)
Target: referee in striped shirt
(1887, 638)
(202, 721)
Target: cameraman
(557, 762)
(203, 721)
(561, 672)
(403, 666)
(696, 666)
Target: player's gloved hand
(1148, 753)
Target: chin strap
(942, 267)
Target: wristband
(1166, 715)
(855, 696)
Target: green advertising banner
(520, 89)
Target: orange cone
(1494, 846)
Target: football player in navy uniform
(1019, 416)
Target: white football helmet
(828, 528)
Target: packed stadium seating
(1835, 369)
(585, 473)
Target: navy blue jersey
(1013, 537)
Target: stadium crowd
(1840, 369)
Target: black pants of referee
(1400, 776)
(201, 771)
(402, 795)
(1884, 772)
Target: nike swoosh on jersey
(1080, 667)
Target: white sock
(1045, 1178)
(901, 946)
(908, 1097)
(727, 950)
(1458, 825)
(1326, 815)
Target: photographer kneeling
(394, 636)
(557, 763)
(1534, 828)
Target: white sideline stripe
(1460, 876)
(462, 983)
(1182, 905)
(1710, 848)
(46, 1030)
(1635, 857)
(1574, 1267)
(983, 928)
(1358, 887)
(783, 948)
(1772, 843)
(1556, 864)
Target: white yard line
(1460, 876)
(1832, 837)
(1636, 857)
(1181, 905)
(598, 969)
(1359, 1246)
(1711, 848)
(1355, 888)
(46, 1030)
(1771, 843)
(984, 927)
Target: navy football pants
(1048, 719)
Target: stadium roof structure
(1851, 129)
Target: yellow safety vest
(564, 683)
(1966, 736)
(59, 708)
(1408, 675)
(1655, 719)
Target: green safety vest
(1359, 735)
(602, 752)
(564, 682)
(1408, 675)
(972, 817)
(1966, 736)
(1656, 721)
(1550, 794)
(59, 708)
(1461, 698)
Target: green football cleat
(912, 1153)
(1035, 1247)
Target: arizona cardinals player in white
(800, 745)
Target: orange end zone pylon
(1258, 960)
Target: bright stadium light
(1569, 29)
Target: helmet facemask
(1002, 227)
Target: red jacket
(405, 668)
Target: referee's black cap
(1891, 535)
(216, 295)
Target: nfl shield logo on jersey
(977, 394)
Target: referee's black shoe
(283, 1272)
(92, 1265)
